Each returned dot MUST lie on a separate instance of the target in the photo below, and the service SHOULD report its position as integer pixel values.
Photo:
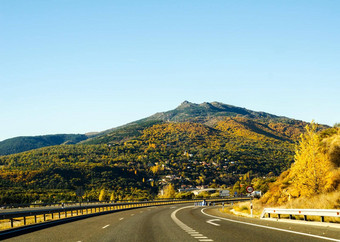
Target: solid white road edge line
(267, 227)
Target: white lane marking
(172, 207)
(132, 214)
(121, 218)
(106, 226)
(186, 228)
(210, 222)
(273, 228)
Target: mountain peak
(186, 104)
(188, 111)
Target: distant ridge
(25, 143)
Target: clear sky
(69, 66)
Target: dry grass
(322, 201)
(244, 207)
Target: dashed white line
(197, 235)
(121, 218)
(186, 228)
(106, 226)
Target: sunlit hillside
(315, 174)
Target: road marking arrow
(211, 222)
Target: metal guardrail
(70, 211)
(302, 212)
(41, 215)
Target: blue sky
(70, 66)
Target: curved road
(179, 223)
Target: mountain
(210, 144)
(24, 143)
(210, 114)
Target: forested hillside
(180, 153)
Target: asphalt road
(178, 223)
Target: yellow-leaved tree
(169, 191)
(103, 195)
(312, 167)
(316, 169)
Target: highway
(179, 223)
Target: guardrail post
(322, 219)
(24, 220)
(268, 215)
(59, 214)
(12, 223)
(52, 215)
(44, 217)
(305, 217)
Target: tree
(113, 196)
(312, 165)
(169, 191)
(103, 196)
